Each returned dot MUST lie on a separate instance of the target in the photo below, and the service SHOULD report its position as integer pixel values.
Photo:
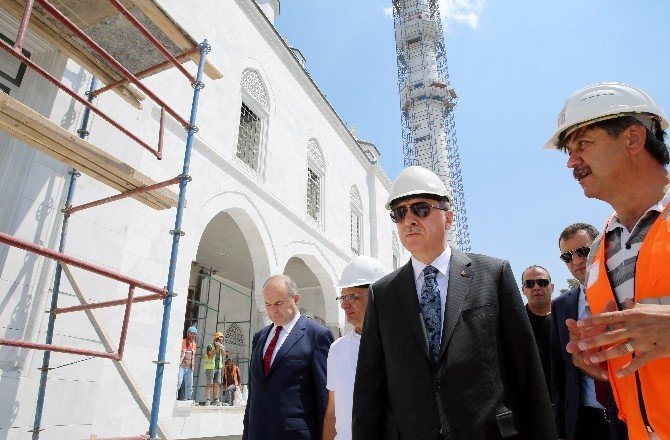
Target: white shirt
(441, 263)
(286, 329)
(587, 386)
(341, 373)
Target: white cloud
(461, 12)
(388, 12)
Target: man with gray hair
(287, 371)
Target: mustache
(411, 229)
(580, 171)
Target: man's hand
(645, 327)
(582, 357)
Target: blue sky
(513, 64)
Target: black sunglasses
(580, 251)
(419, 209)
(542, 282)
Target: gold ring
(629, 347)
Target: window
(249, 137)
(313, 195)
(356, 220)
(315, 180)
(253, 121)
(355, 234)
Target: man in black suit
(447, 351)
(287, 373)
(578, 413)
(537, 287)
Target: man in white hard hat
(343, 356)
(614, 136)
(447, 351)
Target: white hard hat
(360, 271)
(416, 180)
(606, 100)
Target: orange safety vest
(652, 381)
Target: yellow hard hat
(218, 335)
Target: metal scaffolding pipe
(123, 195)
(63, 258)
(104, 304)
(176, 234)
(57, 348)
(21, 34)
(74, 175)
(145, 72)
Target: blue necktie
(431, 310)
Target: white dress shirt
(441, 263)
(286, 329)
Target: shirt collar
(289, 326)
(441, 263)
(657, 207)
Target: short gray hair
(288, 283)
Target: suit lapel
(409, 303)
(297, 332)
(258, 354)
(460, 278)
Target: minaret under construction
(427, 102)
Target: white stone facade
(243, 224)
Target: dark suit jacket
(488, 383)
(289, 404)
(566, 379)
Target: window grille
(234, 335)
(313, 194)
(249, 137)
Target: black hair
(576, 227)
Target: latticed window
(249, 137)
(356, 219)
(355, 233)
(234, 335)
(313, 194)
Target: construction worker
(614, 136)
(216, 354)
(343, 355)
(187, 362)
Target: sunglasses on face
(580, 251)
(419, 209)
(349, 298)
(542, 282)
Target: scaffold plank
(25, 124)
(105, 25)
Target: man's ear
(449, 219)
(636, 137)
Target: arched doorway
(221, 291)
(311, 291)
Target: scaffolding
(427, 103)
(95, 38)
(209, 305)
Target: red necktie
(267, 358)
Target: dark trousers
(592, 424)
